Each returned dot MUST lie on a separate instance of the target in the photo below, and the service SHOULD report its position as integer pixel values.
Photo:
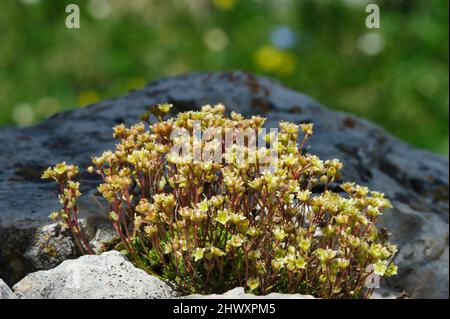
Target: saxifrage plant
(248, 218)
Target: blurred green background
(396, 76)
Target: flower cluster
(211, 225)
(69, 192)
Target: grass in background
(396, 76)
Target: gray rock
(5, 291)
(239, 293)
(381, 293)
(416, 181)
(49, 247)
(106, 276)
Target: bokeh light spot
(30, 2)
(99, 9)
(23, 114)
(270, 58)
(215, 39)
(283, 37)
(225, 4)
(371, 43)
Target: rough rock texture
(106, 276)
(5, 291)
(239, 293)
(416, 181)
(381, 293)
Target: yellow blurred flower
(270, 58)
(88, 97)
(224, 4)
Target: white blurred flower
(30, 2)
(215, 39)
(371, 43)
(23, 114)
(99, 9)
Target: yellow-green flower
(279, 234)
(203, 206)
(305, 244)
(48, 173)
(198, 216)
(307, 128)
(217, 252)
(236, 241)
(60, 168)
(198, 254)
(343, 263)
(278, 264)
(113, 216)
(304, 195)
(325, 255)
(54, 216)
(379, 268)
(150, 230)
(223, 217)
(165, 108)
(391, 270)
(253, 283)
